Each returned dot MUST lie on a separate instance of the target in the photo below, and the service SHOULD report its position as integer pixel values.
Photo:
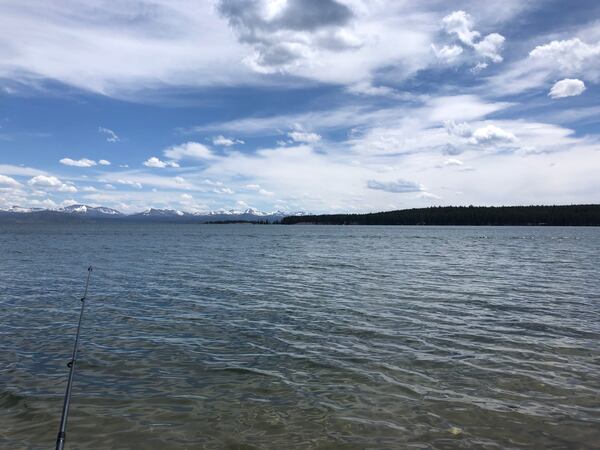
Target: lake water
(297, 337)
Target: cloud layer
(319, 105)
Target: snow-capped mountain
(90, 210)
(80, 212)
(153, 212)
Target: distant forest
(570, 215)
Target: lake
(298, 337)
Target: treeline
(568, 215)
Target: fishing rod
(62, 432)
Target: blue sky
(312, 105)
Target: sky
(298, 105)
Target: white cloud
(490, 47)
(458, 129)
(556, 59)
(265, 192)
(453, 162)
(460, 24)
(399, 186)
(447, 52)
(189, 150)
(84, 162)
(302, 136)
(157, 163)
(429, 196)
(46, 203)
(67, 188)
(120, 51)
(571, 56)
(8, 181)
(479, 67)
(548, 163)
(111, 136)
(89, 189)
(140, 179)
(567, 88)
(8, 169)
(491, 134)
(52, 182)
(223, 191)
(104, 162)
(133, 183)
(488, 134)
(45, 181)
(225, 142)
(366, 87)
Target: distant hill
(85, 213)
(568, 215)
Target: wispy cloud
(397, 187)
(111, 136)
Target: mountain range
(79, 213)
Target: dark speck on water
(312, 337)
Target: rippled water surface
(293, 337)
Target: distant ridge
(84, 213)
(565, 215)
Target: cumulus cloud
(567, 88)
(52, 182)
(45, 181)
(490, 47)
(111, 136)
(486, 135)
(491, 135)
(568, 58)
(189, 150)
(284, 32)
(460, 25)
(462, 129)
(8, 181)
(448, 52)
(399, 186)
(571, 56)
(453, 162)
(225, 142)
(67, 188)
(303, 136)
(84, 162)
(104, 162)
(157, 163)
